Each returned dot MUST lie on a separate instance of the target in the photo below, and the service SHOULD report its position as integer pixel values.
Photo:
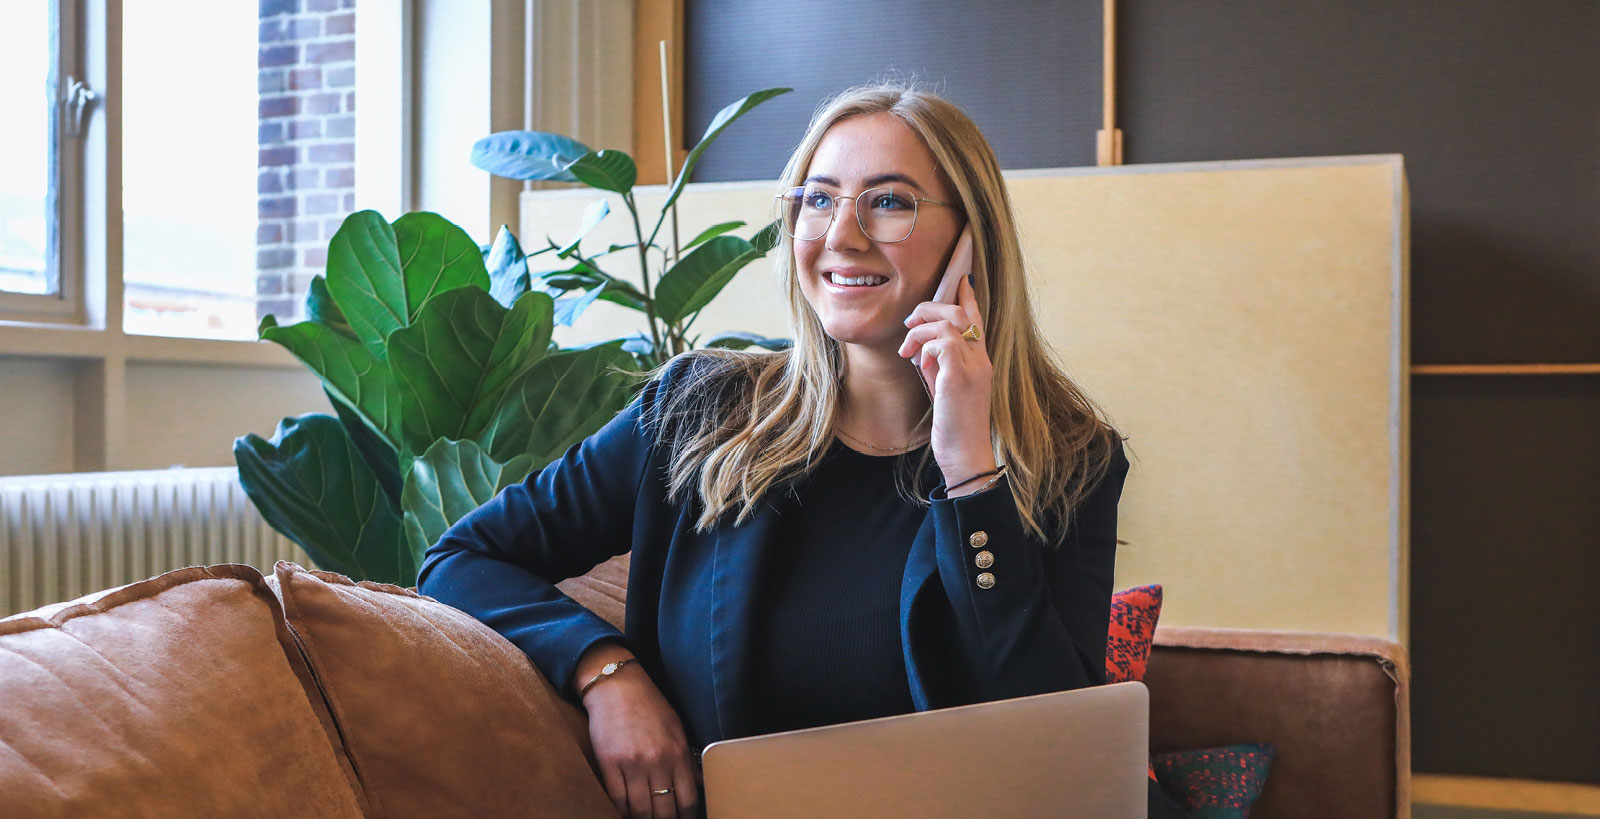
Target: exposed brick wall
(306, 180)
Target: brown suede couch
(215, 691)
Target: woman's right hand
(639, 742)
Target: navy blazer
(691, 596)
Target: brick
(305, 28)
(330, 227)
(341, 77)
(339, 178)
(321, 204)
(344, 126)
(282, 309)
(305, 79)
(272, 31)
(305, 128)
(349, 201)
(272, 8)
(322, 5)
(274, 258)
(269, 157)
(349, 4)
(342, 153)
(302, 178)
(322, 104)
(270, 81)
(278, 55)
(301, 231)
(350, 101)
(314, 257)
(269, 233)
(340, 24)
(275, 207)
(269, 133)
(301, 282)
(269, 182)
(269, 284)
(338, 51)
(280, 106)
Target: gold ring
(662, 792)
(972, 334)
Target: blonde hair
(750, 423)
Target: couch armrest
(1336, 706)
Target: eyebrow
(872, 181)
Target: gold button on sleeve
(986, 581)
(984, 559)
(979, 539)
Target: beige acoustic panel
(1244, 323)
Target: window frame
(65, 305)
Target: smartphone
(950, 286)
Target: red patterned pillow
(1134, 613)
(1216, 783)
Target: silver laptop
(1070, 753)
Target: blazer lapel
(737, 572)
(921, 565)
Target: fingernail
(908, 319)
(972, 279)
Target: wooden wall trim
(1568, 798)
(654, 21)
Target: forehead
(860, 148)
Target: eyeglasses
(889, 215)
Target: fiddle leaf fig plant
(685, 277)
(438, 361)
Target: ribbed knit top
(827, 645)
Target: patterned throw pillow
(1134, 613)
(1216, 783)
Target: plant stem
(644, 271)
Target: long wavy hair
(751, 423)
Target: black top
(827, 642)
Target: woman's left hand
(958, 373)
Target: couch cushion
(439, 715)
(171, 697)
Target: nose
(845, 232)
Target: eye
(889, 200)
(820, 200)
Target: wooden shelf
(1505, 369)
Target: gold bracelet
(997, 473)
(992, 481)
(605, 671)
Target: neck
(882, 401)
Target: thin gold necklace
(840, 430)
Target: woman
(790, 565)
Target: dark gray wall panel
(1505, 566)
(1018, 69)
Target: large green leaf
(320, 308)
(435, 256)
(364, 278)
(608, 170)
(698, 277)
(713, 231)
(348, 370)
(378, 452)
(570, 307)
(454, 363)
(311, 484)
(508, 268)
(561, 401)
(722, 120)
(592, 215)
(528, 155)
(451, 479)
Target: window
(29, 181)
(238, 159)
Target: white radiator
(64, 536)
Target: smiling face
(855, 154)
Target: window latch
(76, 103)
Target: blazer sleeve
(1042, 625)
(500, 562)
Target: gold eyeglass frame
(916, 203)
